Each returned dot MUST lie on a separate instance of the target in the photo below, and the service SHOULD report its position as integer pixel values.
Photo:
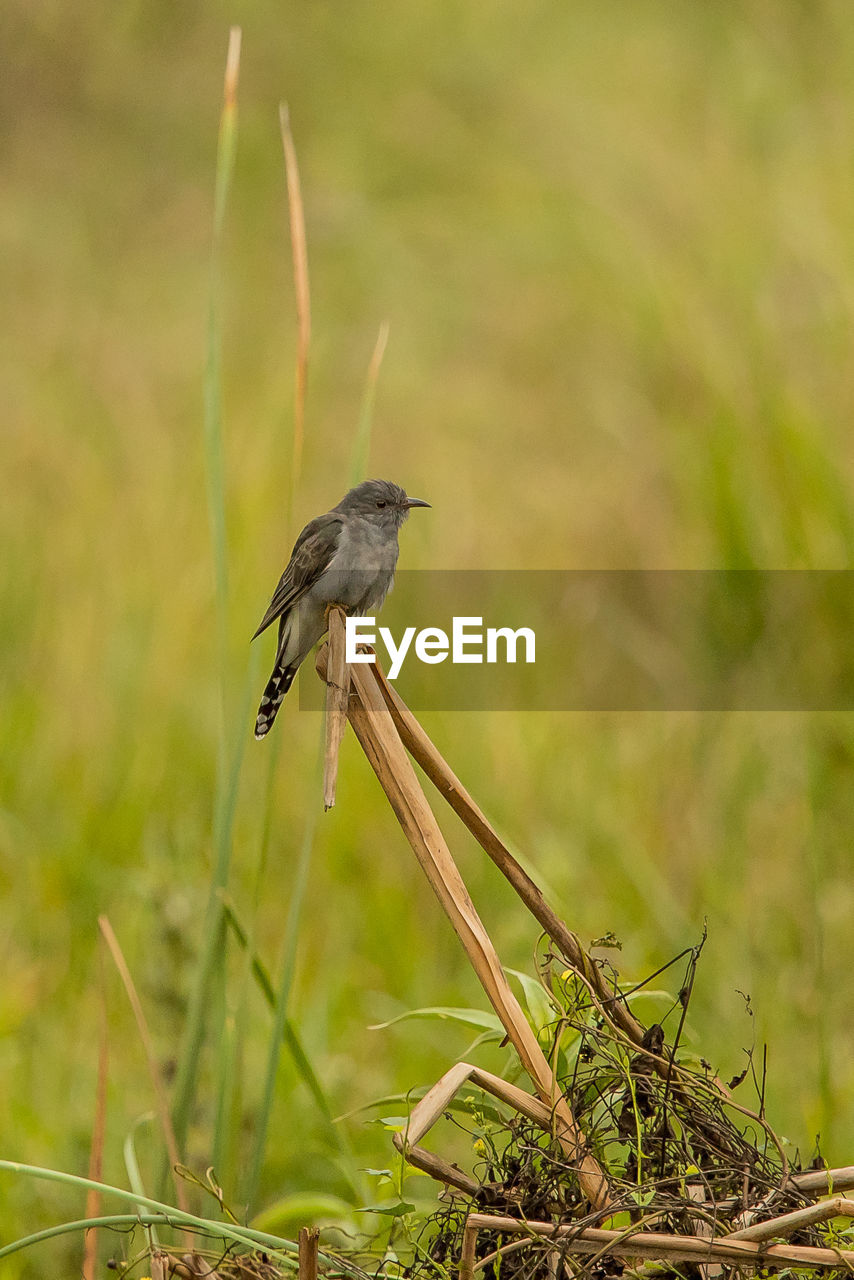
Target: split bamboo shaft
(426, 754)
(375, 729)
(837, 1207)
(337, 691)
(654, 1244)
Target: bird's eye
(380, 503)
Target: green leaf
(442, 1013)
(540, 1005)
(390, 1210)
(485, 1037)
(391, 1122)
(667, 997)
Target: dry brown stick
(838, 1207)
(608, 1247)
(337, 693)
(438, 1168)
(424, 751)
(378, 736)
(820, 1181)
(467, 1253)
(654, 1244)
(308, 1253)
(432, 1105)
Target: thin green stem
(117, 1220)
(280, 1016)
(177, 1217)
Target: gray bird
(346, 557)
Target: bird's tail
(277, 686)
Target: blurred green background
(615, 247)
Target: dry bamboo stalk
(426, 1112)
(432, 1106)
(437, 1168)
(308, 1253)
(378, 736)
(337, 693)
(654, 1244)
(820, 1181)
(838, 1207)
(467, 1253)
(427, 755)
(814, 1182)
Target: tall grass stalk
(283, 1030)
(213, 951)
(289, 948)
(231, 1003)
(132, 1168)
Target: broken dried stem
(337, 694)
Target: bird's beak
(416, 502)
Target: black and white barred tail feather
(277, 686)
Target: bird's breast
(361, 571)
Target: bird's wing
(310, 558)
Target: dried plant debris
(682, 1157)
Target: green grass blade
(265, 984)
(295, 1048)
(226, 1092)
(280, 1013)
(132, 1165)
(212, 954)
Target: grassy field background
(615, 247)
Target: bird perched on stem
(346, 557)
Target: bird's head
(379, 501)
